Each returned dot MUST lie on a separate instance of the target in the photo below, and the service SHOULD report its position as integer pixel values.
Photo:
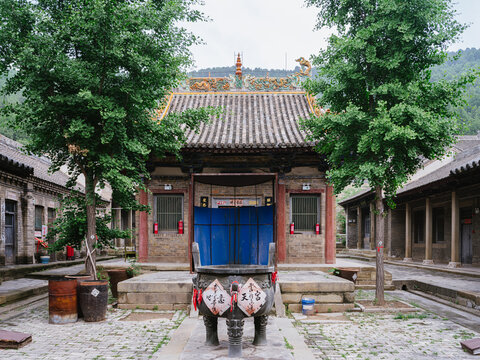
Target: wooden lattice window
(305, 212)
(168, 211)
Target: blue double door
(239, 235)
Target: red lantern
(180, 226)
(155, 228)
(317, 229)
(292, 228)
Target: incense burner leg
(260, 330)
(211, 325)
(235, 333)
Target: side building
(28, 202)
(437, 217)
(254, 156)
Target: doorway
(10, 231)
(466, 243)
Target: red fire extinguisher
(292, 228)
(180, 226)
(155, 228)
(317, 229)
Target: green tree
(91, 74)
(385, 114)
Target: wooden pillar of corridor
(428, 233)
(359, 227)
(408, 233)
(455, 245)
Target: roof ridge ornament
(238, 82)
(238, 72)
(305, 66)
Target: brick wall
(305, 247)
(168, 246)
(302, 247)
(26, 195)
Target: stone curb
(433, 268)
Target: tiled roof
(469, 157)
(13, 151)
(250, 120)
(466, 157)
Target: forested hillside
(456, 65)
(5, 126)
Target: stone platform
(366, 275)
(331, 293)
(172, 290)
(161, 290)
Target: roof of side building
(465, 154)
(13, 151)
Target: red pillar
(143, 230)
(330, 228)
(281, 242)
(191, 206)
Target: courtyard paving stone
(422, 335)
(109, 339)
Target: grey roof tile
(250, 120)
(13, 151)
(467, 156)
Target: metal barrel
(62, 301)
(116, 276)
(93, 299)
(79, 279)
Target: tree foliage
(91, 74)
(71, 227)
(385, 112)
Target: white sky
(264, 30)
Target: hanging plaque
(216, 298)
(251, 297)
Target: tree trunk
(379, 290)
(90, 265)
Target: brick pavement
(110, 339)
(420, 336)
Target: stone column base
(454, 264)
(427, 262)
(407, 260)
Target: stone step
(165, 290)
(296, 298)
(468, 299)
(323, 308)
(313, 282)
(15, 290)
(155, 298)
